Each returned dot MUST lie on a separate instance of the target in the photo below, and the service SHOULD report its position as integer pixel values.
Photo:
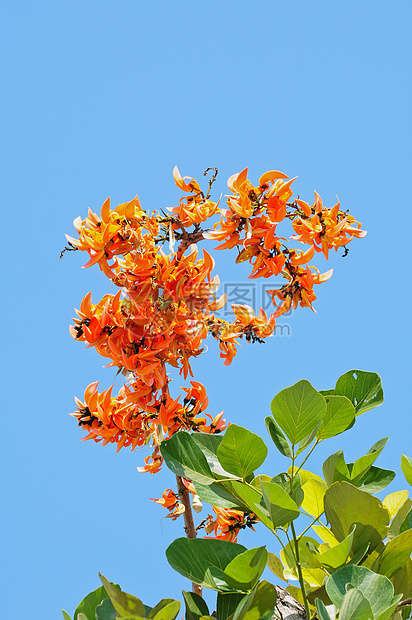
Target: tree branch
(190, 528)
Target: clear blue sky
(103, 98)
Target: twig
(190, 528)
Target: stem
(405, 603)
(184, 495)
(296, 541)
(308, 455)
(302, 583)
(309, 526)
(190, 528)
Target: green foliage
(356, 551)
(364, 389)
(278, 437)
(395, 555)
(355, 605)
(345, 506)
(241, 451)
(376, 589)
(91, 601)
(217, 494)
(195, 606)
(298, 410)
(281, 507)
(203, 561)
(339, 416)
(406, 466)
(125, 604)
(184, 457)
(244, 571)
(166, 609)
(105, 611)
(259, 604)
(226, 604)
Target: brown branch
(190, 528)
(68, 248)
(184, 496)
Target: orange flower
(164, 311)
(168, 500)
(152, 467)
(300, 288)
(229, 522)
(325, 228)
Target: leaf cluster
(353, 556)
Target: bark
(190, 528)
(288, 608)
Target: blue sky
(104, 98)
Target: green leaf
(217, 494)
(396, 553)
(241, 451)
(327, 392)
(306, 441)
(394, 502)
(307, 546)
(278, 437)
(337, 556)
(340, 415)
(90, 602)
(184, 457)
(402, 581)
(275, 565)
(407, 524)
(346, 506)
(364, 463)
(335, 469)
(203, 560)
(364, 389)
(125, 604)
(377, 589)
(244, 571)
(298, 410)
(283, 480)
(319, 593)
(258, 604)
(195, 606)
(166, 609)
(281, 507)
(355, 606)
(81, 616)
(209, 444)
(227, 603)
(376, 479)
(399, 518)
(406, 466)
(65, 615)
(314, 491)
(321, 609)
(105, 611)
(208, 441)
(252, 499)
(256, 482)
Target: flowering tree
(165, 308)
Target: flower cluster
(250, 224)
(228, 523)
(166, 304)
